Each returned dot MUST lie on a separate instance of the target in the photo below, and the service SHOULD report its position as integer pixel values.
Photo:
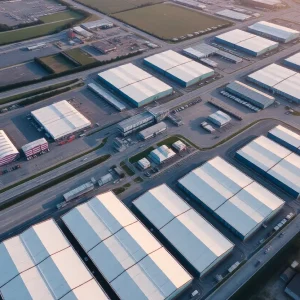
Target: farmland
(111, 7)
(171, 21)
(56, 63)
(79, 56)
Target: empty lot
(56, 63)
(168, 21)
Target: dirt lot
(20, 73)
(57, 63)
(81, 57)
(110, 7)
(169, 21)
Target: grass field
(52, 24)
(140, 155)
(81, 57)
(57, 63)
(168, 21)
(114, 6)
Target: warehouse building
(286, 138)
(60, 119)
(131, 260)
(195, 241)
(247, 42)
(234, 15)
(179, 146)
(8, 152)
(270, 4)
(179, 68)
(273, 31)
(231, 196)
(250, 94)
(144, 163)
(102, 24)
(275, 162)
(219, 118)
(135, 85)
(104, 47)
(153, 131)
(279, 80)
(40, 263)
(161, 154)
(79, 30)
(293, 61)
(36, 147)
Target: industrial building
(232, 197)
(273, 31)
(250, 94)
(8, 152)
(60, 119)
(293, 61)
(36, 147)
(128, 256)
(144, 163)
(275, 162)
(134, 84)
(161, 154)
(79, 30)
(179, 68)
(247, 42)
(153, 131)
(279, 80)
(104, 47)
(102, 24)
(40, 263)
(179, 146)
(234, 15)
(195, 241)
(270, 4)
(219, 118)
(100, 91)
(286, 138)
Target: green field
(114, 6)
(168, 21)
(56, 63)
(81, 57)
(53, 23)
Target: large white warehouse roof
(264, 153)
(196, 239)
(294, 60)
(179, 66)
(249, 208)
(247, 41)
(230, 194)
(60, 119)
(214, 182)
(41, 264)
(134, 82)
(285, 137)
(7, 148)
(118, 244)
(275, 31)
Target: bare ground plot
(20, 73)
(114, 6)
(168, 21)
(57, 63)
(81, 57)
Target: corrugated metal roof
(274, 30)
(219, 118)
(41, 264)
(249, 208)
(162, 153)
(271, 75)
(196, 239)
(263, 152)
(290, 86)
(294, 59)
(61, 119)
(98, 219)
(288, 171)
(34, 144)
(235, 36)
(214, 182)
(153, 129)
(157, 276)
(123, 247)
(233, 15)
(6, 146)
(286, 135)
